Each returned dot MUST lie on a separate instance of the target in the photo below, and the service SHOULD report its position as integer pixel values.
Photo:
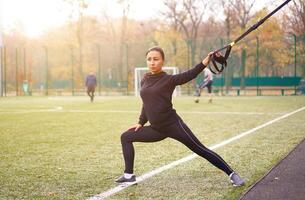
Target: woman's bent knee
(126, 136)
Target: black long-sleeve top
(156, 93)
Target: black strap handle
(222, 60)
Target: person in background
(91, 84)
(207, 82)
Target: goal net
(140, 71)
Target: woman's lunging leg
(185, 136)
(145, 134)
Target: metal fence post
(47, 71)
(72, 70)
(16, 73)
(24, 65)
(99, 68)
(4, 72)
(188, 43)
(257, 65)
(224, 72)
(126, 51)
(295, 62)
(243, 68)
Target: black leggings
(90, 92)
(178, 131)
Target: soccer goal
(140, 71)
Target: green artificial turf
(69, 148)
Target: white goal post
(140, 71)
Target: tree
(172, 43)
(228, 14)
(294, 23)
(241, 14)
(80, 6)
(237, 15)
(172, 15)
(185, 17)
(123, 38)
(274, 51)
(15, 41)
(295, 19)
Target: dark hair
(158, 49)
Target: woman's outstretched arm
(190, 74)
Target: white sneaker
(236, 180)
(122, 179)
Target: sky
(37, 16)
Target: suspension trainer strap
(222, 60)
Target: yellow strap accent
(232, 44)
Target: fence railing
(55, 70)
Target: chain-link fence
(61, 70)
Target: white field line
(187, 158)
(60, 109)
